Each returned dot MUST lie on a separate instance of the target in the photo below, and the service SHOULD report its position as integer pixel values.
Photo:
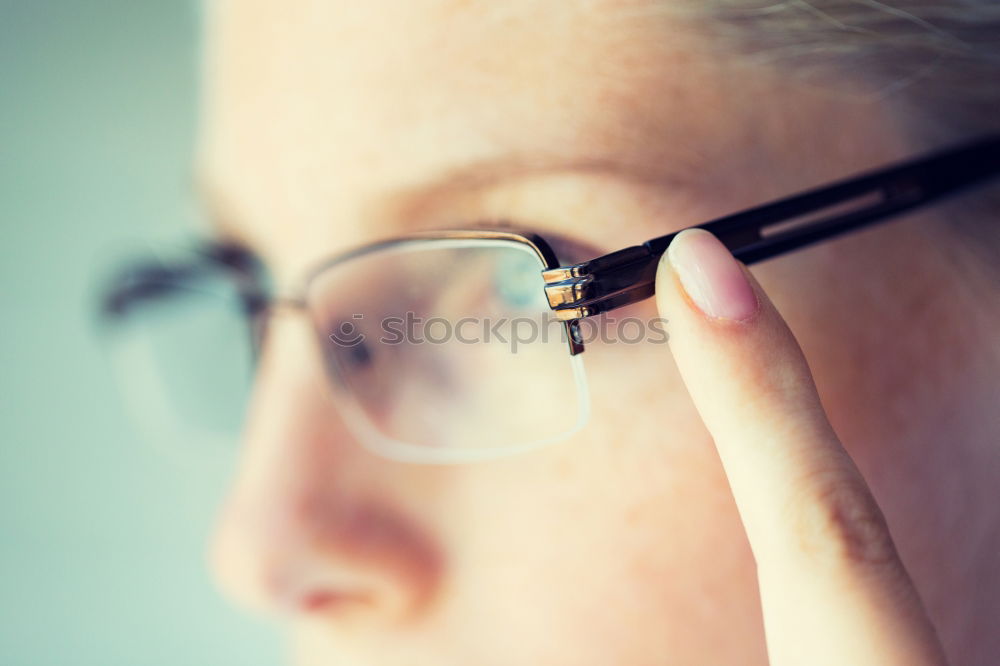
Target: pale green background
(101, 538)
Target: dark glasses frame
(627, 276)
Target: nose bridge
(305, 528)
(289, 401)
(264, 311)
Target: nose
(306, 528)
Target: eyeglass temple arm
(628, 275)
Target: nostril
(315, 602)
(323, 556)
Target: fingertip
(709, 277)
(739, 360)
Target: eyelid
(568, 249)
(571, 250)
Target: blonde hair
(937, 64)
(940, 60)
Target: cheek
(631, 519)
(640, 406)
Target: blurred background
(102, 537)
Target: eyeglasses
(451, 346)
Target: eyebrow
(519, 165)
(405, 202)
(408, 201)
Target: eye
(359, 355)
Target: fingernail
(710, 275)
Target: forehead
(318, 113)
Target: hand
(833, 589)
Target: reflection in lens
(413, 386)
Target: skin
(327, 125)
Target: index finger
(833, 589)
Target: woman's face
(328, 125)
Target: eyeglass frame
(627, 276)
